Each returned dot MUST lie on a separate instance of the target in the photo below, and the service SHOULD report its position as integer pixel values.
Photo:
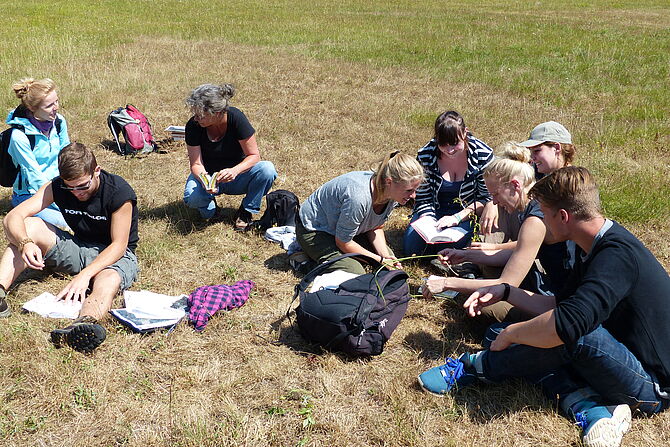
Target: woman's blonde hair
(512, 161)
(398, 167)
(32, 92)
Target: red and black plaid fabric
(205, 301)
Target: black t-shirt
(226, 152)
(555, 259)
(91, 221)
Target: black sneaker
(5, 311)
(243, 220)
(83, 335)
(466, 270)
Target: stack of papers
(48, 306)
(177, 133)
(146, 311)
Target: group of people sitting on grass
(580, 305)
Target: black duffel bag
(356, 318)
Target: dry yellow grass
(228, 385)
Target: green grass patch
(611, 53)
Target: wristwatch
(506, 293)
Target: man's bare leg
(86, 334)
(105, 287)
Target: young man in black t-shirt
(601, 345)
(101, 210)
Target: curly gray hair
(210, 98)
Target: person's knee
(107, 279)
(189, 190)
(265, 171)
(412, 243)
(195, 195)
(349, 265)
(42, 233)
(492, 333)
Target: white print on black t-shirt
(84, 213)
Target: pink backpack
(136, 130)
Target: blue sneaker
(604, 426)
(442, 379)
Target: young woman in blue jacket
(36, 119)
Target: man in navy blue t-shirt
(101, 210)
(601, 345)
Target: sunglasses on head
(78, 187)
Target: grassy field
(329, 87)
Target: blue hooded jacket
(39, 165)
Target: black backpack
(9, 170)
(282, 208)
(356, 318)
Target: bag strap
(306, 281)
(389, 276)
(112, 127)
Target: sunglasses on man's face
(78, 187)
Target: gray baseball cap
(549, 131)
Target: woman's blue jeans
(597, 360)
(255, 184)
(50, 214)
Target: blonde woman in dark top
(509, 178)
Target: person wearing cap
(600, 347)
(550, 147)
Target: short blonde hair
(32, 92)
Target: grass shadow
(486, 402)
(289, 335)
(110, 145)
(279, 262)
(462, 325)
(183, 220)
(425, 344)
(5, 205)
(394, 240)
(162, 146)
